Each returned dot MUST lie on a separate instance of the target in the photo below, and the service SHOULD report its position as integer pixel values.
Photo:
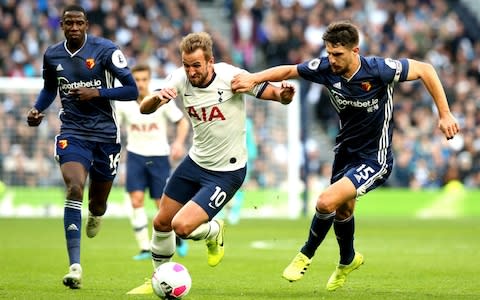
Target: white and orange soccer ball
(171, 280)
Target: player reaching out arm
(83, 69)
(215, 166)
(361, 91)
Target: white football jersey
(147, 134)
(217, 116)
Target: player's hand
(449, 125)
(167, 94)
(287, 90)
(243, 82)
(34, 117)
(177, 151)
(83, 94)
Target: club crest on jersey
(90, 63)
(62, 144)
(366, 86)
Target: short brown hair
(141, 67)
(200, 40)
(343, 33)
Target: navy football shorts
(99, 159)
(365, 173)
(209, 189)
(147, 172)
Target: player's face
(142, 79)
(74, 25)
(199, 70)
(343, 60)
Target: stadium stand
(265, 33)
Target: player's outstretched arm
(426, 72)
(245, 82)
(283, 93)
(153, 101)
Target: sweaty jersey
(95, 65)
(147, 134)
(217, 116)
(363, 102)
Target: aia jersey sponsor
(147, 133)
(217, 116)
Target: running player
(83, 69)
(361, 90)
(215, 166)
(149, 154)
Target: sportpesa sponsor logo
(65, 86)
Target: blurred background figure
(148, 156)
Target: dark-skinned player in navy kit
(83, 68)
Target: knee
(161, 225)
(181, 229)
(325, 204)
(342, 214)
(74, 191)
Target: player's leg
(158, 171)
(365, 175)
(163, 237)
(192, 222)
(102, 173)
(195, 220)
(139, 222)
(163, 240)
(136, 183)
(329, 200)
(74, 175)
(74, 157)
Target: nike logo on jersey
(187, 95)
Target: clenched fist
(34, 117)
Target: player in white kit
(215, 166)
(148, 155)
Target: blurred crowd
(262, 33)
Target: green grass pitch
(405, 257)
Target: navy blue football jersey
(363, 102)
(95, 65)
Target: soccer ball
(171, 280)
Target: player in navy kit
(361, 91)
(83, 69)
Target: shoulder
(376, 62)
(226, 71)
(177, 77)
(315, 64)
(387, 69)
(100, 42)
(55, 48)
